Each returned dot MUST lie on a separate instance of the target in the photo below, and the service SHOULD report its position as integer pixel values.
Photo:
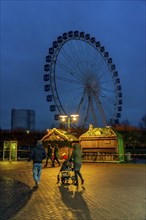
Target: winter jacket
(49, 152)
(56, 152)
(76, 155)
(37, 154)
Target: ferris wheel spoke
(108, 96)
(75, 49)
(63, 79)
(105, 83)
(81, 102)
(66, 68)
(101, 110)
(108, 102)
(68, 59)
(82, 65)
(70, 56)
(71, 72)
(86, 112)
(106, 91)
(108, 105)
(102, 75)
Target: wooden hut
(102, 145)
(59, 137)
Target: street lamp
(72, 118)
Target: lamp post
(69, 119)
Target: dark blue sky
(28, 29)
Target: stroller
(66, 173)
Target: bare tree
(142, 123)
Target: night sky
(28, 29)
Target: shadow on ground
(13, 196)
(73, 198)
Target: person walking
(56, 156)
(49, 154)
(37, 154)
(76, 157)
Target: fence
(23, 154)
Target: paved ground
(110, 192)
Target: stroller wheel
(73, 179)
(58, 178)
(62, 180)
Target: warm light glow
(74, 116)
(27, 131)
(69, 119)
(63, 117)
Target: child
(65, 166)
(65, 163)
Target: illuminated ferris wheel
(80, 78)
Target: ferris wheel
(81, 78)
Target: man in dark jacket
(49, 154)
(37, 155)
(76, 156)
(56, 156)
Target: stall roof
(59, 135)
(98, 133)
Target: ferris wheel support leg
(99, 105)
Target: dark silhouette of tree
(142, 123)
(125, 122)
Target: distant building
(22, 119)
